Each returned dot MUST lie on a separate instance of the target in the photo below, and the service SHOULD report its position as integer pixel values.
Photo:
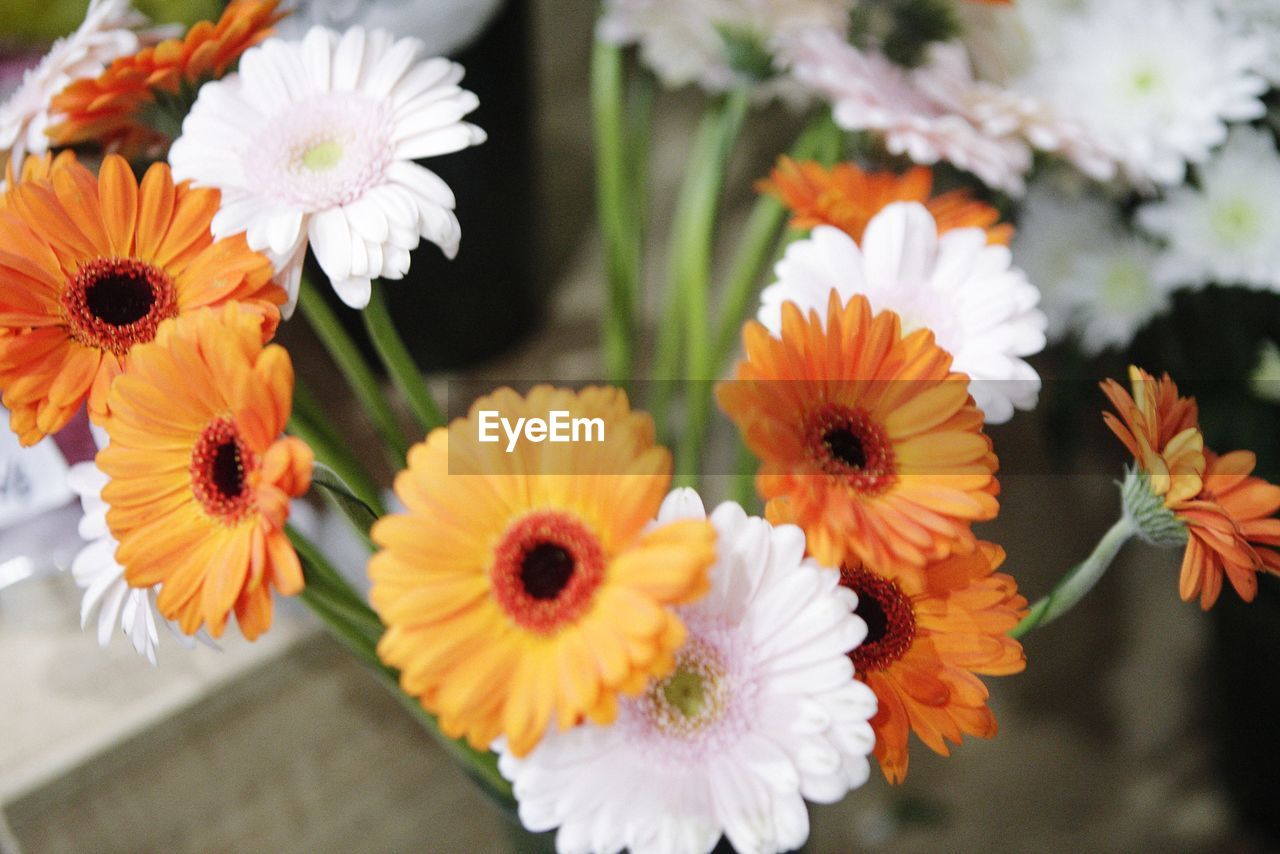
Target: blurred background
(1140, 723)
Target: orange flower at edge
(91, 266)
(867, 440)
(847, 197)
(107, 109)
(200, 476)
(1227, 511)
(929, 634)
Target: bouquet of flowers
(550, 593)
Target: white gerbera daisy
(1228, 230)
(691, 41)
(314, 141)
(1113, 102)
(1095, 277)
(108, 32)
(760, 713)
(981, 309)
(96, 571)
(869, 93)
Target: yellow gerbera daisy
(524, 586)
(200, 476)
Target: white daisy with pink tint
(760, 714)
(870, 93)
(314, 143)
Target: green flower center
(693, 696)
(322, 156)
(1235, 222)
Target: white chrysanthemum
(761, 713)
(1095, 277)
(1228, 230)
(869, 93)
(1134, 87)
(314, 141)
(1260, 19)
(685, 41)
(108, 32)
(980, 308)
(96, 571)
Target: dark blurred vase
(1245, 704)
(456, 313)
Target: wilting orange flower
(928, 635)
(109, 109)
(868, 440)
(1161, 430)
(90, 267)
(522, 587)
(1228, 513)
(200, 476)
(846, 197)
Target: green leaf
(361, 515)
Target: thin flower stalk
(355, 370)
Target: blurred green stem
(342, 348)
(685, 327)
(399, 361)
(763, 240)
(621, 151)
(310, 424)
(1080, 580)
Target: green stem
(353, 623)
(692, 238)
(763, 239)
(399, 362)
(1080, 580)
(744, 478)
(351, 363)
(333, 452)
(619, 171)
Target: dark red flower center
(846, 443)
(546, 569)
(115, 303)
(890, 619)
(220, 467)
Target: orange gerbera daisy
(200, 476)
(521, 587)
(89, 267)
(1226, 512)
(868, 440)
(111, 108)
(34, 168)
(928, 634)
(846, 197)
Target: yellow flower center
(692, 696)
(323, 156)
